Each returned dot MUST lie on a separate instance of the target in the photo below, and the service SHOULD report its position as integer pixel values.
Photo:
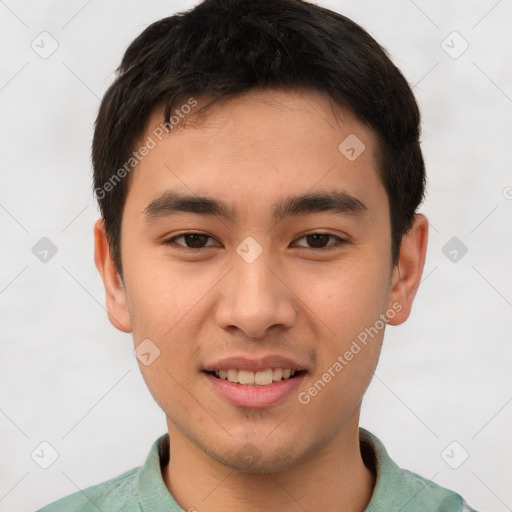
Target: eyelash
(340, 241)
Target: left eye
(319, 240)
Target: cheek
(166, 309)
(168, 306)
(346, 298)
(350, 310)
(162, 294)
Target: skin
(296, 299)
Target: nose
(255, 298)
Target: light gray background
(69, 378)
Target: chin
(261, 458)
(264, 464)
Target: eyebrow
(337, 201)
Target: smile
(260, 378)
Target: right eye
(192, 241)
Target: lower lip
(255, 396)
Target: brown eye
(191, 240)
(320, 241)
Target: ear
(115, 293)
(408, 270)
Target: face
(282, 268)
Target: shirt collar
(153, 494)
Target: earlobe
(115, 294)
(409, 269)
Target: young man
(258, 170)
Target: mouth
(255, 382)
(260, 378)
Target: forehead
(258, 146)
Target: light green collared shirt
(143, 489)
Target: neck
(334, 477)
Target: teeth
(277, 374)
(245, 377)
(262, 378)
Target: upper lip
(254, 364)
